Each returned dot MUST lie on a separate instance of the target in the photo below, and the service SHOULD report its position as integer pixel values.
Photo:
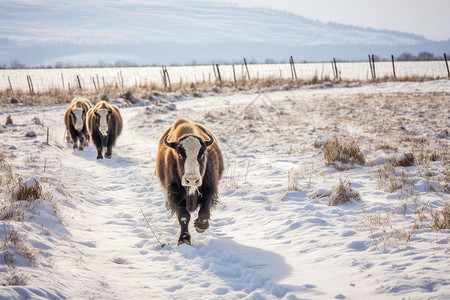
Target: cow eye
(180, 156)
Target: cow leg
(183, 219)
(204, 214)
(106, 144)
(68, 138)
(99, 152)
(81, 142)
(108, 152)
(86, 139)
(109, 146)
(73, 140)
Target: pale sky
(428, 18)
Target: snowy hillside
(165, 32)
(273, 234)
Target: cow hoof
(201, 225)
(185, 238)
(99, 156)
(80, 148)
(108, 155)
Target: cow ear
(170, 145)
(211, 140)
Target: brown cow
(104, 124)
(189, 165)
(75, 121)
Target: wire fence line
(43, 80)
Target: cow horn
(211, 140)
(170, 145)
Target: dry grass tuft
(11, 246)
(385, 146)
(343, 193)
(385, 234)
(9, 121)
(343, 151)
(440, 219)
(390, 179)
(30, 190)
(293, 184)
(406, 160)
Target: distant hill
(105, 32)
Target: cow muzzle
(103, 131)
(191, 180)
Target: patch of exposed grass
(440, 219)
(406, 160)
(390, 179)
(384, 233)
(338, 151)
(385, 146)
(343, 193)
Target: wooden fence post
(293, 72)
(10, 85)
(165, 77)
(246, 67)
(371, 68)
(332, 68)
(30, 85)
(335, 68)
(79, 82)
(95, 86)
(393, 66)
(373, 65)
(121, 80)
(234, 74)
(218, 72)
(446, 63)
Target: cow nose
(192, 180)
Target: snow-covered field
(91, 78)
(273, 234)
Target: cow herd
(189, 163)
(101, 123)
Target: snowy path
(121, 248)
(268, 239)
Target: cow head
(102, 120)
(78, 116)
(191, 159)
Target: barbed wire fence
(92, 79)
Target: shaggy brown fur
(79, 138)
(170, 169)
(115, 124)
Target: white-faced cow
(75, 121)
(104, 124)
(189, 165)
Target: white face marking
(78, 113)
(191, 177)
(103, 127)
